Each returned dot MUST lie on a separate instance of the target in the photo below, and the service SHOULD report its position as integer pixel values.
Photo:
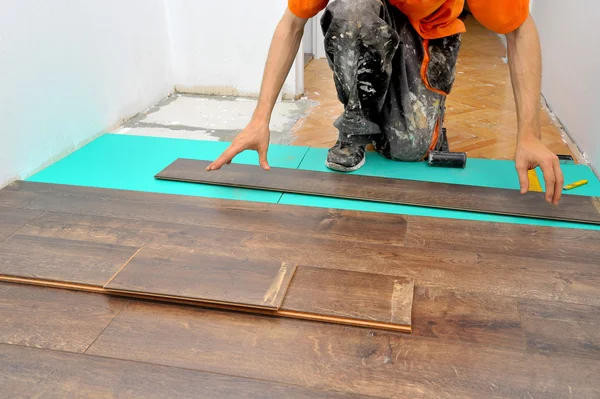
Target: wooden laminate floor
(480, 117)
(512, 316)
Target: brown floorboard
(53, 319)
(340, 293)
(397, 191)
(206, 212)
(13, 219)
(568, 329)
(467, 317)
(55, 259)
(578, 245)
(327, 356)
(179, 272)
(38, 373)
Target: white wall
(69, 69)
(570, 36)
(307, 40)
(220, 47)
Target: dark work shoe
(345, 157)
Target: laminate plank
(464, 271)
(561, 328)
(12, 220)
(172, 265)
(379, 189)
(130, 232)
(468, 317)
(53, 319)
(327, 356)
(33, 373)
(184, 273)
(578, 245)
(55, 259)
(352, 295)
(276, 219)
(206, 212)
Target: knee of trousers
(408, 146)
(350, 17)
(354, 9)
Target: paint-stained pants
(393, 83)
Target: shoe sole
(341, 168)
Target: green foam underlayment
(130, 163)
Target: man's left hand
(530, 153)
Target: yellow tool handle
(534, 182)
(576, 184)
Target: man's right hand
(284, 47)
(254, 137)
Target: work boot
(345, 157)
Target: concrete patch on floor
(211, 118)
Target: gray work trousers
(392, 82)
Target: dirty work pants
(393, 83)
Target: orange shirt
(433, 19)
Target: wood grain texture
(38, 373)
(56, 259)
(479, 327)
(205, 212)
(184, 273)
(53, 319)
(468, 317)
(578, 245)
(327, 356)
(561, 328)
(379, 189)
(167, 267)
(352, 295)
(12, 219)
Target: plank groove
(12, 220)
(61, 260)
(53, 319)
(379, 189)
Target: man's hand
(284, 47)
(530, 154)
(254, 137)
(525, 64)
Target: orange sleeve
(500, 16)
(306, 8)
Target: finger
(523, 178)
(550, 179)
(560, 181)
(225, 157)
(262, 159)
